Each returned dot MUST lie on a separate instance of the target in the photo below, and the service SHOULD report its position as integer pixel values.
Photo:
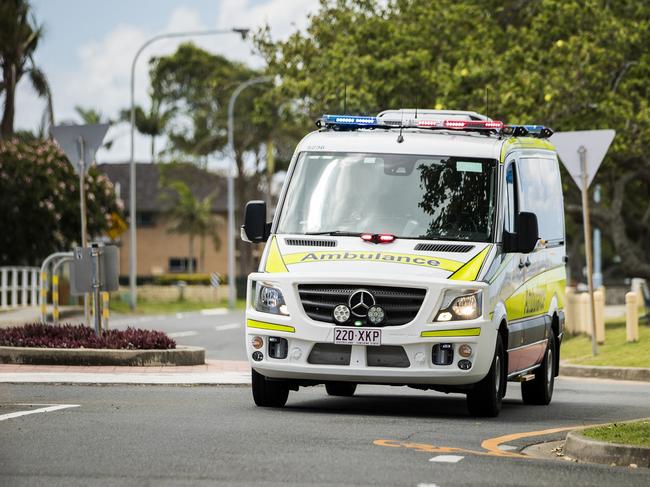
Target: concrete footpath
(213, 372)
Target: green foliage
(39, 207)
(635, 433)
(19, 38)
(172, 279)
(572, 65)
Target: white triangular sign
(67, 136)
(596, 142)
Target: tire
(343, 389)
(268, 393)
(539, 391)
(486, 397)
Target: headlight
(269, 299)
(462, 304)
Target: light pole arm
(132, 206)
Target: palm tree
(191, 216)
(152, 123)
(90, 115)
(19, 38)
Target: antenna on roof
(345, 98)
(416, 106)
(400, 137)
(487, 101)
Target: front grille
(387, 356)
(443, 247)
(330, 354)
(400, 303)
(304, 242)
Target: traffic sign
(80, 142)
(594, 142)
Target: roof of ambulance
(416, 141)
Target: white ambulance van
(416, 248)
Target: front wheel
(268, 393)
(486, 397)
(539, 391)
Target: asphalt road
(220, 332)
(159, 435)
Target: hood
(336, 255)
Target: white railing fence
(19, 287)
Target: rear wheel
(486, 397)
(268, 393)
(539, 391)
(345, 389)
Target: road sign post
(573, 148)
(80, 143)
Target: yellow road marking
(490, 446)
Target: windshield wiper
(335, 233)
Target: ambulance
(416, 248)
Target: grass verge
(615, 352)
(636, 433)
(150, 307)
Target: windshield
(409, 196)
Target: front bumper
(417, 338)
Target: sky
(89, 46)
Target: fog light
(257, 342)
(341, 313)
(465, 350)
(258, 356)
(444, 316)
(296, 353)
(376, 315)
(420, 357)
(464, 364)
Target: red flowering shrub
(80, 336)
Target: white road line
(227, 326)
(426, 485)
(214, 311)
(179, 315)
(446, 458)
(53, 407)
(180, 334)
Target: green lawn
(616, 351)
(637, 433)
(149, 307)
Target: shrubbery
(80, 336)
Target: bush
(172, 279)
(80, 336)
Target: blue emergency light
(350, 121)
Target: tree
(152, 123)
(90, 115)
(39, 208)
(191, 216)
(19, 38)
(572, 65)
(198, 85)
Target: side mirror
(525, 240)
(255, 229)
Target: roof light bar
(349, 121)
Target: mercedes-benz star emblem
(360, 301)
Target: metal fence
(19, 287)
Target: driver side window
(510, 196)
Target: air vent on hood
(443, 247)
(304, 242)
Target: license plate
(357, 336)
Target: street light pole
(232, 284)
(132, 223)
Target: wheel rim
(497, 371)
(549, 368)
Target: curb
(587, 450)
(88, 356)
(601, 372)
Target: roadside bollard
(105, 311)
(55, 299)
(584, 316)
(569, 309)
(43, 297)
(599, 301)
(631, 317)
